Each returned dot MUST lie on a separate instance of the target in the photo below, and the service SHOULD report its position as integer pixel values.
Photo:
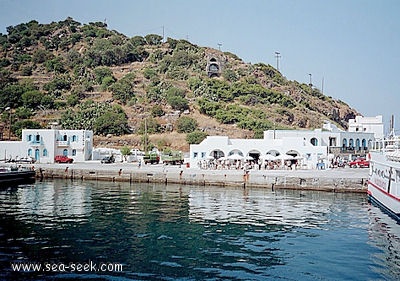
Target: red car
(359, 163)
(63, 159)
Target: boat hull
(383, 185)
(17, 177)
(379, 198)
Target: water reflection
(260, 207)
(195, 233)
(45, 201)
(384, 234)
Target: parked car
(63, 159)
(359, 163)
(108, 160)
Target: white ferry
(384, 176)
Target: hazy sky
(350, 47)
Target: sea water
(172, 232)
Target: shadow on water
(14, 184)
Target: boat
(16, 175)
(384, 175)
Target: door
(37, 154)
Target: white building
(286, 148)
(308, 146)
(44, 144)
(367, 125)
(336, 140)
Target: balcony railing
(352, 150)
(35, 143)
(62, 143)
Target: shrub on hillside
(101, 72)
(18, 126)
(123, 89)
(153, 39)
(157, 111)
(176, 98)
(102, 118)
(186, 125)
(58, 83)
(177, 102)
(196, 137)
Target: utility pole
(145, 135)
(277, 56)
(163, 34)
(310, 79)
(322, 88)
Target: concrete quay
(334, 180)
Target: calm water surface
(160, 232)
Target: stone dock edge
(334, 182)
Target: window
(195, 154)
(364, 144)
(314, 142)
(45, 152)
(203, 155)
(29, 152)
(358, 143)
(65, 138)
(30, 137)
(37, 139)
(74, 138)
(73, 152)
(65, 152)
(332, 141)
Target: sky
(349, 49)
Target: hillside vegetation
(84, 76)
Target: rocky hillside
(124, 89)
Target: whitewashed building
(336, 140)
(44, 144)
(286, 148)
(368, 125)
(309, 147)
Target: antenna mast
(392, 126)
(277, 56)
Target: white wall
(12, 150)
(203, 151)
(368, 125)
(50, 142)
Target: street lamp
(9, 129)
(310, 79)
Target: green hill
(85, 76)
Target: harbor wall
(335, 182)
